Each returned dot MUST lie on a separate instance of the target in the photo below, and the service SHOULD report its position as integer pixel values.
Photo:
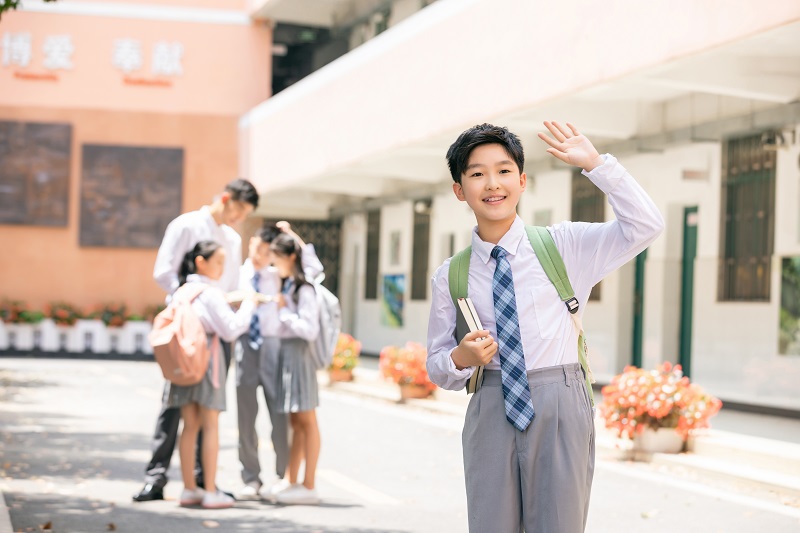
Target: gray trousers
(254, 368)
(537, 480)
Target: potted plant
(405, 365)
(20, 325)
(345, 358)
(113, 316)
(136, 328)
(658, 409)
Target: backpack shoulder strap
(458, 275)
(189, 291)
(545, 248)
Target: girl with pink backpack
(201, 403)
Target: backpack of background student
(179, 341)
(330, 325)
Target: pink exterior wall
(226, 71)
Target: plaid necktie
(255, 330)
(516, 391)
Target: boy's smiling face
(491, 185)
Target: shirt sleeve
(312, 266)
(304, 321)
(224, 322)
(593, 250)
(441, 335)
(173, 247)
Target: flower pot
(49, 335)
(340, 374)
(414, 391)
(91, 336)
(661, 440)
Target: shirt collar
(510, 241)
(206, 210)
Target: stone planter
(409, 391)
(48, 331)
(67, 339)
(340, 374)
(20, 337)
(3, 336)
(92, 336)
(134, 337)
(661, 440)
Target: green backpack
(545, 248)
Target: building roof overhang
(377, 121)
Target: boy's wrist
(455, 357)
(594, 163)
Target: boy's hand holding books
(476, 349)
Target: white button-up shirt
(590, 252)
(215, 312)
(182, 235)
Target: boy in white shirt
(213, 222)
(528, 436)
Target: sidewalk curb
(5, 517)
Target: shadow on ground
(77, 515)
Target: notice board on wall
(129, 194)
(34, 173)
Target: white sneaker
(192, 497)
(250, 491)
(298, 495)
(276, 488)
(217, 500)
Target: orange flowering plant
(345, 356)
(662, 398)
(113, 315)
(16, 312)
(406, 364)
(63, 314)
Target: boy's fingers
(558, 154)
(573, 128)
(553, 128)
(475, 335)
(546, 138)
(564, 131)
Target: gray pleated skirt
(298, 387)
(204, 392)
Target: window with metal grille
(419, 259)
(373, 255)
(748, 220)
(588, 205)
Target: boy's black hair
(242, 190)
(268, 233)
(458, 153)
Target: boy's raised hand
(476, 349)
(570, 146)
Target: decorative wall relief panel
(129, 194)
(34, 173)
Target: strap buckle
(572, 305)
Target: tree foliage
(9, 5)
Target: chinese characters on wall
(24, 52)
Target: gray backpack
(330, 325)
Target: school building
(115, 116)
(699, 100)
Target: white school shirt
(215, 312)
(182, 235)
(590, 252)
(301, 319)
(270, 284)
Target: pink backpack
(180, 344)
